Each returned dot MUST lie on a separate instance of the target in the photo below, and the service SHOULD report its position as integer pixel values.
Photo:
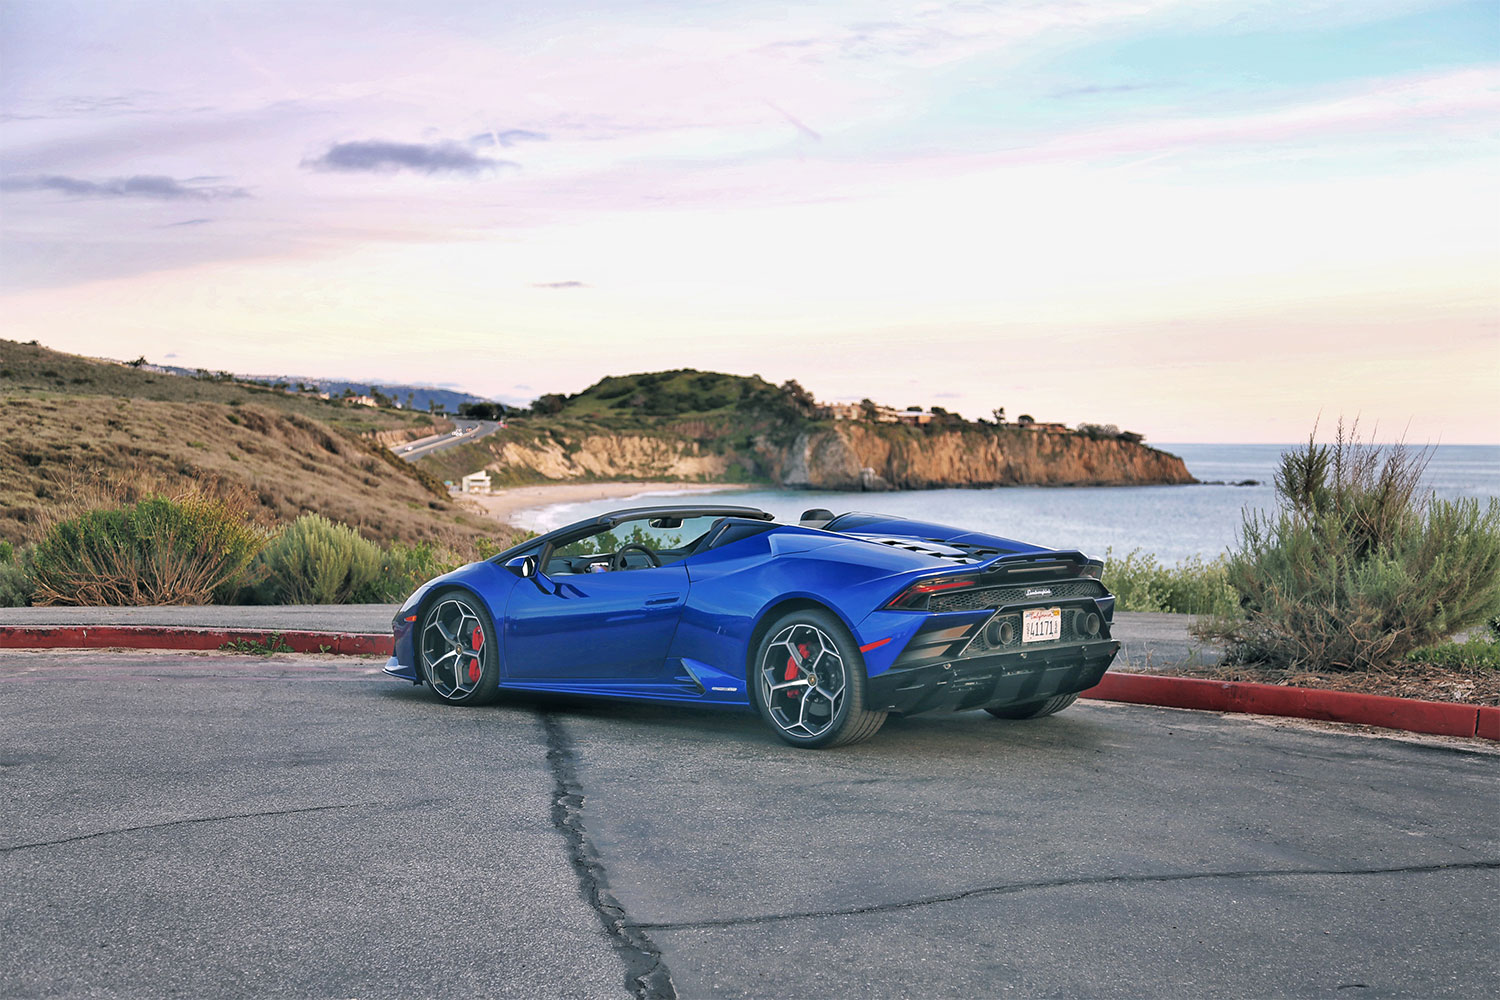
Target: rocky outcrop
(607, 456)
(850, 456)
(854, 456)
(405, 434)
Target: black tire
(466, 679)
(847, 721)
(1034, 709)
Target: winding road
(463, 432)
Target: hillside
(709, 427)
(63, 417)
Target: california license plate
(1041, 624)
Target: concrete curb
(1438, 718)
(170, 637)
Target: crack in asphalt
(646, 975)
(1002, 890)
(7, 848)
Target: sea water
(1171, 522)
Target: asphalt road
(470, 430)
(211, 825)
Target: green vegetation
(273, 644)
(1358, 568)
(1475, 654)
(16, 587)
(1193, 587)
(155, 551)
(315, 561)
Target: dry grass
(54, 444)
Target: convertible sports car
(823, 627)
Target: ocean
(1171, 522)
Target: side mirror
(522, 566)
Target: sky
(1203, 220)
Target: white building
(476, 482)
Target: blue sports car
(824, 626)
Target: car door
(593, 627)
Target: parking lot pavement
(213, 825)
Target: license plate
(1041, 624)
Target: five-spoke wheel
(456, 647)
(809, 682)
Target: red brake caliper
(791, 670)
(476, 642)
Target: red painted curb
(168, 637)
(1439, 718)
(1489, 723)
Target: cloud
(1096, 89)
(508, 138)
(140, 186)
(187, 222)
(380, 156)
(560, 284)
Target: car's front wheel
(456, 649)
(1034, 709)
(809, 682)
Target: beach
(506, 504)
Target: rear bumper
(991, 681)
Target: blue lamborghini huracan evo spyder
(823, 627)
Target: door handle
(661, 599)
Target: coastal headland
(705, 427)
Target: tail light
(914, 598)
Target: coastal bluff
(842, 456)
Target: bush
(1357, 567)
(1192, 587)
(315, 561)
(16, 586)
(1476, 654)
(403, 569)
(154, 551)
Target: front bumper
(1014, 677)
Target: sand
(506, 504)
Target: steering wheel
(618, 562)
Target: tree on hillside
(550, 404)
(869, 410)
(999, 414)
(481, 411)
(799, 397)
(137, 362)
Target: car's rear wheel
(1034, 709)
(456, 649)
(809, 682)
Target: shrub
(1476, 654)
(315, 561)
(157, 550)
(402, 569)
(1194, 586)
(1357, 567)
(16, 586)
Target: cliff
(833, 456)
(852, 456)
